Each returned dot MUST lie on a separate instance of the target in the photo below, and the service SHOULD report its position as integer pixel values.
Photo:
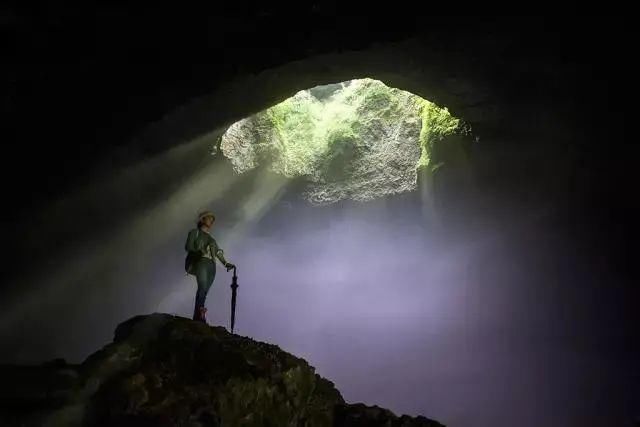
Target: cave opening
(357, 139)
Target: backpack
(190, 262)
(191, 259)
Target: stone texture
(360, 415)
(164, 370)
(368, 148)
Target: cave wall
(538, 93)
(189, 74)
(107, 111)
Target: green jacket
(201, 244)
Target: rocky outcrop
(360, 415)
(163, 370)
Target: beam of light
(266, 193)
(269, 189)
(129, 247)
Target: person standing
(202, 251)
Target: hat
(205, 214)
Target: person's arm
(219, 253)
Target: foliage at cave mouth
(357, 140)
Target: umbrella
(234, 290)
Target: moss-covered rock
(163, 370)
(357, 140)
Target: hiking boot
(202, 314)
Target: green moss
(436, 124)
(322, 138)
(294, 122)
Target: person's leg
(205, 272)
(200, 273)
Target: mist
(473, 321)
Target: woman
(202, 249)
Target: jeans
(205, 272)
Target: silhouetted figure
(202, 249)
